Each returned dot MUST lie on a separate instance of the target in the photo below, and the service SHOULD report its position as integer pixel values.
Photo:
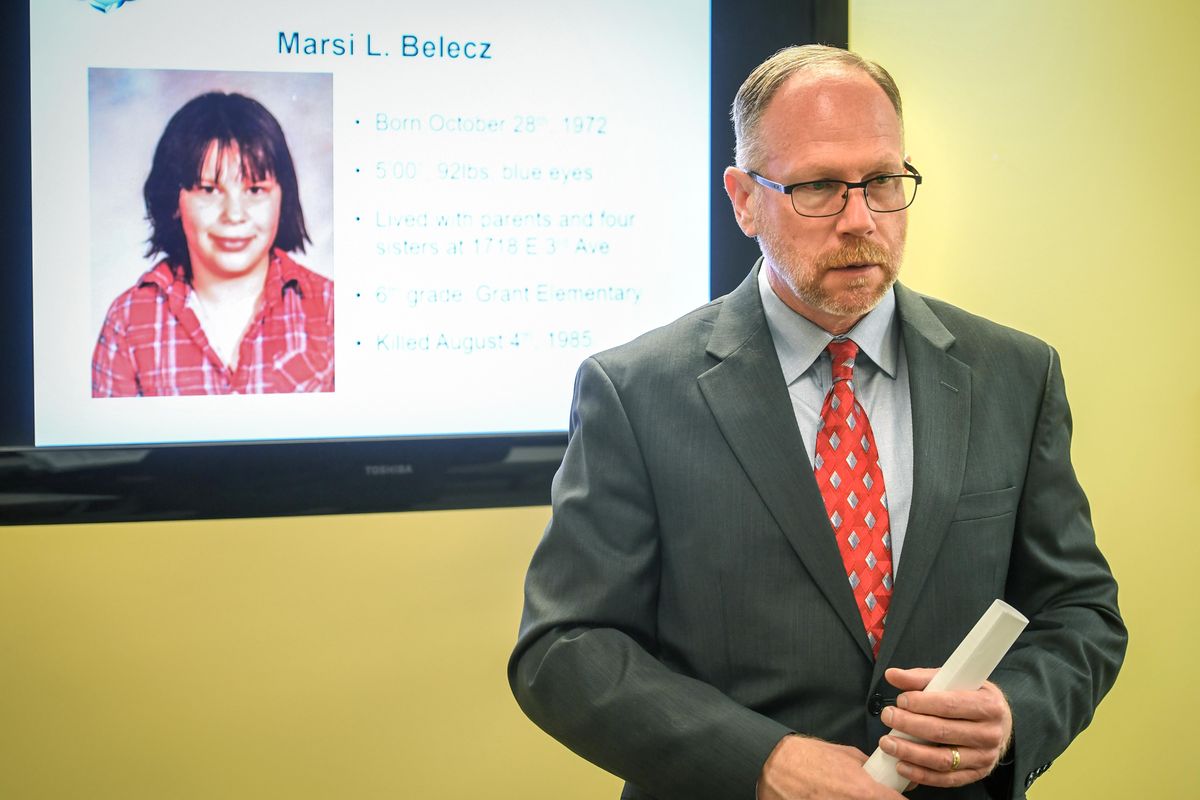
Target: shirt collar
(169, 282)
(282, 274)
(800, 342)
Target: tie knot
(842, 353)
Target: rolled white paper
(965, 670)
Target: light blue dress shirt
(880, 386)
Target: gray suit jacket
(687, 606)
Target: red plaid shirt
(152, 343)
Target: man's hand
(800, 767)
(978, 725)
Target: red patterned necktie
(851, 482)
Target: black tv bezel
(282, 478)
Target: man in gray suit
(695, 619)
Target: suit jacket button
(875, 704)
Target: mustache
(861, 251)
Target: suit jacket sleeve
(585, 668)
(1068, 657)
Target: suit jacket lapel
(747, 396)
(940, 387)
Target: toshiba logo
(383, 470)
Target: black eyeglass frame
(850, 185)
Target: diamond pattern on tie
(854, 493)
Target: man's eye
(883, 180)
(817, 187)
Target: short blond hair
(756, 93)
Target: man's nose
(856, 218)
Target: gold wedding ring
(955, 758)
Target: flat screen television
(484, 193)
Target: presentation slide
(271, 220)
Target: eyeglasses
(828, 198)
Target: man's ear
(740, 188)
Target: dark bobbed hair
(230, 120)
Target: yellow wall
(364, 656)
(324, 657)
(1060, 143)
